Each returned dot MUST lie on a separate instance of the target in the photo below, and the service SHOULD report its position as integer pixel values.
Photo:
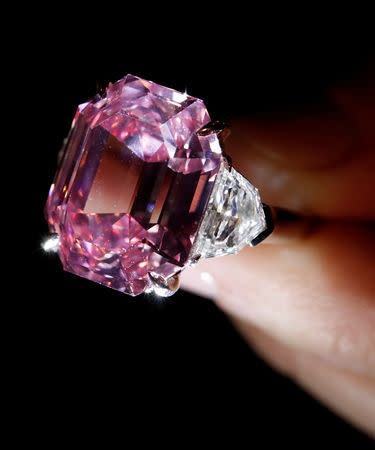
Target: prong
(164, 287)
(194, 261)
(269, 227)
(51, 243)
(219, 128)
(228, 160)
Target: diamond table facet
(133, 184)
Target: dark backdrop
(93, 358)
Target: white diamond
(233, 218)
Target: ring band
(144, 189)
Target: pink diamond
(133, 184)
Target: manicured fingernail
(198, 282)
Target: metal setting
(164, 287)
(51, 243)
(269, 227)
(221, 129)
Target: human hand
(306, 301)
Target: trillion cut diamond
(133, 184)
(234, 216)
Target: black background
(95, 363)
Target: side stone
(234, 216)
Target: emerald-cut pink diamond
(133, 184)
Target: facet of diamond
(234, 216)
(133, 185)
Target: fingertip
(305, 139)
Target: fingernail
(199, 283)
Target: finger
(316, 161)
(314, 295)
(349, 395)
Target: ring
(144, 189)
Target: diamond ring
(144, 189)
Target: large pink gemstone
(133, 184)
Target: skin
(305, 298)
